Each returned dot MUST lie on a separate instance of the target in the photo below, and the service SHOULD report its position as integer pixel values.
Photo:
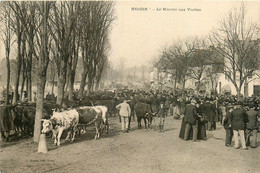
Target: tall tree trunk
(62, 78)
(90, 83)
(175, 84)
(246, 88)
(27, 87)
(183, 88)
(198, 87)
(61, 85)
(82, 83)
(23, 65)
(41, 74)
(61, 81)
(30, 86)
(29, 69)
(41, 80)
(238, 89)
(22, 87)
(19, 57)
(71, 85)
(52, 87)
(8, 74)
(97, 86)
(17, 78)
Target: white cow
(93, 115)
(61, 121)
(104, 110)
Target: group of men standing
(200, 116)
(241, 122)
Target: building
(216, 82)
(225, 86)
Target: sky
(137, 37)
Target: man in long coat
(227, 126)
(209, 110)
(238, 122)
(252, 126)
(190, 117)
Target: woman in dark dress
(201, 126)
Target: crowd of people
(199, 114)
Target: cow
(104, 111)
(28, 117)
(61, 121)
(143, 111)
(6, 121)
(110, 104)
(17, 113)
(24, 116)
(93, 114)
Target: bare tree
(97, 19)
(62, 24)
(234, 40)
(7, 38)
(18, 28)
(42, 62)
(176, 60)
(75, 46)
(200, 63)
(52, 74)
(31, 27)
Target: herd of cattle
(19, 119)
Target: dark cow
(93, 101)
(94, 115)
(6, 121)
(28, 117)
(17, 113)
(143, 111)
(48, 106)
(110, 104)
(24, 117)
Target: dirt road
(140, 151)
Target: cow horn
(43, 119)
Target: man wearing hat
(227, 126)
(162, 112)
(238, 122)
(252, 126)
(190, 117)
(209, 110)
(124, 112)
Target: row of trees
(58, 32)
(232, 48)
